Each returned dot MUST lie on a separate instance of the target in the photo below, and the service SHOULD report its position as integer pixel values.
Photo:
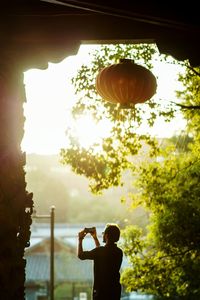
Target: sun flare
(51, 96)
(88, 132)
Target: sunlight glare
(89, 132)
(50, 96)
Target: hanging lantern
(126, 83)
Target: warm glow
(50, 97)
(89, 132)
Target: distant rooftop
(66, 232)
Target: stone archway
(16, 204)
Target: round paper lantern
(126, 83)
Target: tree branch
(193, 70)
(187, 106)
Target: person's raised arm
(81, 236)
(94, 235)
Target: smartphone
(89, 229)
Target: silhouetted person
(107, 262)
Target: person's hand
(94, 234)
(81, 235)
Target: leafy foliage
(166, 261)
(54, 184)
(103, 163)
(191, 98)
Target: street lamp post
(52, 219)
(52, 254)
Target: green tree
(104, 163)
(190, 97)
(164, 262)
(52, 184)
(167, 260)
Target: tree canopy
(104, 162)
(164, 261)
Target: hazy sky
(50, 95)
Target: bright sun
(50, 98)
(88, 131)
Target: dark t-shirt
(107, 262)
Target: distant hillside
(55, 184)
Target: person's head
(111, 233)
